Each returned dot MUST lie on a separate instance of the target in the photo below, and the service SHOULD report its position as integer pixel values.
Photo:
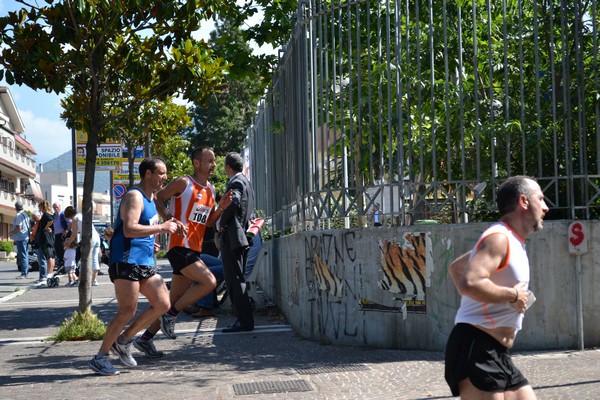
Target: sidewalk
(270, 362)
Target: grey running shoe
(167, 325)
(124, 353)
(147, 346)
(102, 366)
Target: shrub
(6, 246)
(81, 326)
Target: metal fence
(424, 107)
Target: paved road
(202, 363)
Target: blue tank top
(138, 251)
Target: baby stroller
(54, 280)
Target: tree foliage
(111, 57)
(156, 122)
(222, 120)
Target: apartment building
(17, 165)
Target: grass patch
(81, 326)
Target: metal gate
(421, 108)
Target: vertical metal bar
(461, 107)
(356, 172)
(399, 95)
(492, 99)
(581, 125)
(323, 128)
(359, 81)
(567, 126)
(433, 98)
(506, 90)
(332, 86)
(389, 107)
(554, 91)
(419, 90)
(312, 97)
(538, 112)
(409, 139)
(369, 99)
(447, 94)
(381, 148)
(305, 165)
(594, 14)
(522, 93)
(477, 123)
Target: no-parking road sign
(119, 190)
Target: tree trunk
(85, 270)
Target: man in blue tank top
(493, 281)
(132, 268)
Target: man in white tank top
(493, 281)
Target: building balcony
(8, 200)
(17, 161)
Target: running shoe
(167, 325)
(124, 353)
(147, 347)
(102, 366)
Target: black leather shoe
(237, 327)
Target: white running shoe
(167, 325)
(124, 353)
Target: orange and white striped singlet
(192, 207)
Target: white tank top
(515, 270)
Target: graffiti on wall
(331, 261)
(406, 265)
(326, 279)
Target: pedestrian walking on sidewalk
(493, 281)
(132, 269)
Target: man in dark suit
(234, 244)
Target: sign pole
(579, 302)
(112, 221)
(74, 165)
(578, 245)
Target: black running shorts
(181, 257)
(130, 272)
(472, 353)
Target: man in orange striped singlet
(192, 204)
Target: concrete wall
(329, 285)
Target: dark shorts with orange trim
(472, 353)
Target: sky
(40, 111)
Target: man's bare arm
(173, 189)
(457, 269)
(131, 210)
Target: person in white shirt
(76, 228)
(493, 281)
